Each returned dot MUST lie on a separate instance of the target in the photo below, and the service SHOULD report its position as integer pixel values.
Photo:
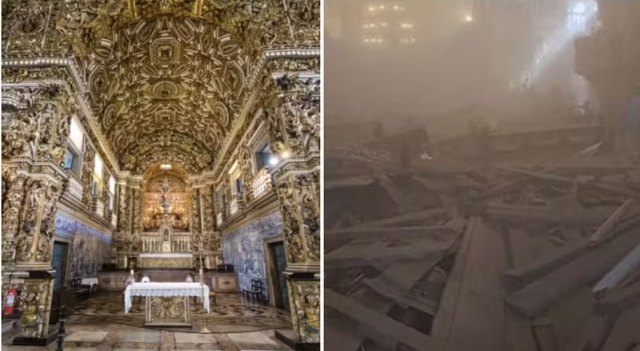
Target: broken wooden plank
(542, 294)
(376, 326)
(605, 230)
(620, 297)
(472, 310)
(540, 176)
(521, 276)
(386, 233)
(401, 297)
(621, 272)
(397, 221)
(547, 214)
(351, 256)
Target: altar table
(89, 281)
(167, 304)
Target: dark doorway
(59, 260)
(59, 263)
(279, 259)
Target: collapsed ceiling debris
(483, 247)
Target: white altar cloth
(89, 281)
(166, 290)
(165, 255)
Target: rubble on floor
(509, 253)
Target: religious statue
(166, 235)
(165, 198)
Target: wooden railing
(151, 244)
(234, 205)
(75, 187)
(181, 244)
(261, 183)
(97, 206)
(178, 244)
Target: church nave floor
(236, 324)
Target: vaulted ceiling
(167, 78)
(167, 83)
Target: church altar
(167, 304)
(165, 260)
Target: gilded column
(13, 195)
(87, 174)
(246, 169)
(294, 128)
(211, 237)
(122, 241)
(34, 141)
(136, 216)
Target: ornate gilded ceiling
(166, 79)
(179, 77)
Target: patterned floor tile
(86, 336)
(102, 326)
(254, 341)
(145, 336)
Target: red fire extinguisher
(10, 301)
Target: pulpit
(167, 304)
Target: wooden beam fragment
(537, 297)
(621, 272)
(605, 230)
(471, 315)
(620, 297)
(378, 327)
(351, 256)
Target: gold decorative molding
(172, 262)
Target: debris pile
(514, 252)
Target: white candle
(132, 272)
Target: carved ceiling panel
(167, 82)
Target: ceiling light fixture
(165, 166)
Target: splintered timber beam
(471, 314)
(621, 272)
(377, 327)
(542, 294)
(351, 256)
(619, 190)
(399, 220)
(540, 176)
(620, 297)
(439, 233)
(605, 230)
(518, 277)
(547, 214)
